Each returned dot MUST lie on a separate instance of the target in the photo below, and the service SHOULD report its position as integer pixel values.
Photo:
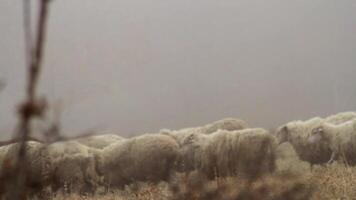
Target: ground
(332, 182)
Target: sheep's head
(282, 134)
(317, 135)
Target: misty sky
(135, 66)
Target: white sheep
(3, 151)
(99, 141)
(149, 157)
(229, 124)
(297, 134)
(75, 173)
(340, 117)
(73, 166)
(340, 138)
(225, 153)
(36, 165)
(180, 135)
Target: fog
(134, 66)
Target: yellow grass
(333, 182)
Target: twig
(27, 27)
(31, 107)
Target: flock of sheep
(223, 148)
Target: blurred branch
(36, 56)
(32, 106)
(27, 29)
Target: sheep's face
(282, 134)
(317, 135)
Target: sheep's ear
(286, 132)
(285, 129)
(283, 134)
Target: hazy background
(135, 66)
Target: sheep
(340, 138)
(287, 160)
(340, 117)
(99, 141)
(229, 124)
(180, 135)
(75, 173)
(3, 151)
(254, 150)
(36, 166)
(73, 166)
(229, 153)
(149, 157)
(192, 148)
(297, 133)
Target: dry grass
(134, 192)
(332, 182)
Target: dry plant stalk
(32, 106)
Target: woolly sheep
(180, 135)
(287, 160)
(99, 141)
(192, 148)
(73, 166)
(227, 153)
(340, 138)
(37, 165)
(3, 151)
(340, 118)
(229, 124)
(149, 157)
(297, 133)
(75, 173)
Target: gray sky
(136, 66)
